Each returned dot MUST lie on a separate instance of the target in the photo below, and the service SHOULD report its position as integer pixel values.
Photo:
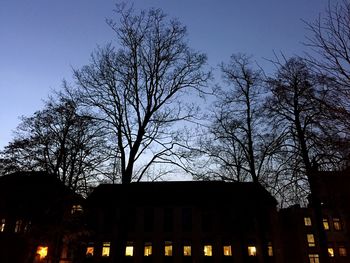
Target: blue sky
(41, 40)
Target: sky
(41, 41)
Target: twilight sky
(42, 40)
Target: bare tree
(330, 57)
(330, 41)
(239, 146)
(139, 91)
(297, 110)
(59, 140)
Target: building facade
(182, 222)
(39, 216)
(43, 221)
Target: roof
(32, 192)
(182, 192)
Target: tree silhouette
(139, 90)
(60, 141)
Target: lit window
(336, 224)
(208, 250)
(148, 249)
(168, 249)
(270, 249)
(314, 258)
(129, 249)
(89, 251)
(251, 251)
(187, 251)
(42, 251)
(2, 225)
(18, 226)
(325, 224)
(106, 249)
(330, 252)
(227, 251)
(342, 251)
(76, 209)
(307, 221)
(310, 240)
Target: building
(303, 241)
(38, 217)
(182, 222)
(171, 222)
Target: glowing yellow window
(227, 251)
(106, 249)
(187, 251)
(325, 224)
(314, 258)
(307, 221)
(251, 251)
(147, 249)
(270, 249)
(342, 251)
(76, 209)
(168, 249)
(310, 240)
(42, 251)
(337, 224)
(2, 225)
(330, 252)
(208, 250)
(89, 251)
(129, 249)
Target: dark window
(168, 219)
(186, 219)
(207, 221)
(129, 219)
(148, 219)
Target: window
(325, 224)
(187, 251)
(307, 221)
(314, 258)
(147, 249)
(76, 209)
(89, 251)
(342, 251)
(148, 219)
(186, 219)
(2, 225)
(168, 249)
(269, 249)
(106, 248)
(42, 251)
(129, 249)
(208, 250)
(330, 252)
(337, 224)
(251, 251)
(18, 226)
(227, 251)
(168, 219)
(207, 221)
(27, 227)
(310, 240)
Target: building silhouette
(43, 221)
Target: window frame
(307, 221)
(310, 238)
(207, 250)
